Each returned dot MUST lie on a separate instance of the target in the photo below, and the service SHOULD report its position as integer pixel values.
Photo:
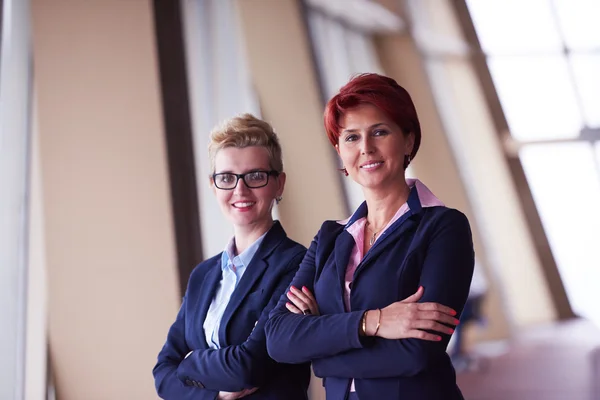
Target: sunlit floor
(559, 362)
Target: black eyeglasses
(253, 180)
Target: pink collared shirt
(357, 230)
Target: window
(545, 71)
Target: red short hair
(380, 91)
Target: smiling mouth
(243, 204)
(372, 165)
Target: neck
(247, 234)
(383, 204)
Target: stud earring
(278, 199)
(344, 171)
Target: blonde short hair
(246, 130)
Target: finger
(437, 307)
(310, 304)
(432, 326)
(301, 295)
(296, 300)
(314, 308)
(414, 297)
(308, 294)
(293, 308)
(418, 334)
(437, 316)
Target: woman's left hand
(302, 301)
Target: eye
(225, 178)
(380, 132)
(351, 138)
(256, 176)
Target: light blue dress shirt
(233, 268)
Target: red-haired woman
(376, 297)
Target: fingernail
(438, 338)
(304, 288)
(452, 312)
(451, 331)
(456, 322)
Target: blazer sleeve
(295, 339)
(446, 277)
(168, 385)
(243, 366)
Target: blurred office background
(105, 205)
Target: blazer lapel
(405, 223)
(343, 249)
(253, 273)
(209, 288)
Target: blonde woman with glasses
(216, 348)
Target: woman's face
(372, 147)
(244, 206)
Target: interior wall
(110, 249)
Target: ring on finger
(306, 312)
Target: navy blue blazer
(242, 362)
(431, 247)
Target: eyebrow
(247, 172)
(369, 128)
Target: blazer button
(189, 382)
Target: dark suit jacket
(431, 247)
(242, 362)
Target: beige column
(284, 75)
(112, 275)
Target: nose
(241, 188)
(366, 145)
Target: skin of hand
(400, 320)
(235, 395)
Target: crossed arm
(231, 369)
(333, 342)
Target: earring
(344, 171)
(278, 199)
(406, 161)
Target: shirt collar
(420, 197)
(244, 258)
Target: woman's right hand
(235, 395)
(409, 319)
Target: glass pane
(579, 22)
(565, 185)
(330, 50)
(515, 26)
(537, 96)
(587, 76)
(598, 157)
